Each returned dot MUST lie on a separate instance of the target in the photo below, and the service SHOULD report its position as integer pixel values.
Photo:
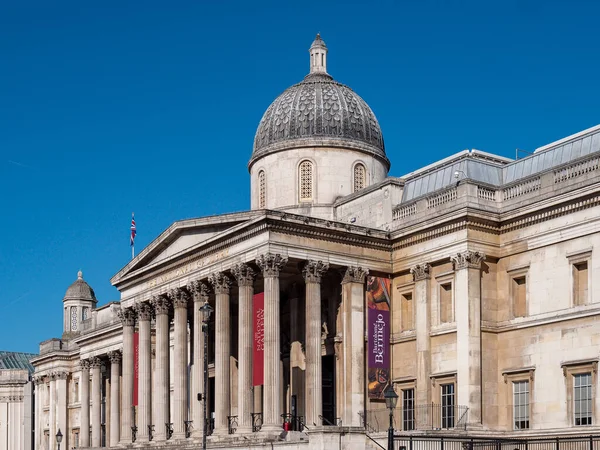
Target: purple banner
(378, 320)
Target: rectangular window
(521, 405)
(448, 405)
(519, 296)
(580, 283)
(408, 409)
(407, 311)
(75, 438)
(75, 391)
(582, 398)
(446, 303)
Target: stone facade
(494, 308)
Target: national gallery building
(469, 288)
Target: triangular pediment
(183, 236)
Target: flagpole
(133, 232)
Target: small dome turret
(78, 303)
(80, 290)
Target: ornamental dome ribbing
(319, 112)
(80, 290)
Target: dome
(319, 112)
(80, 290)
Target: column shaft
(61, 392)
(200, 296)
(115, 393)
(421, 277)
(180, 299)
(128, 319)
(84, 382)
(162, 381)
(52, 412)
(144, 412)
(96, 399)
(221, 284)
(38, 412)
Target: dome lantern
(318, 56)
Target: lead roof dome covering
(319, 112)
(80, 290)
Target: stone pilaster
(127, 316)
(468, 336)
(38, 426)
(270, 265)
(162, 390)
(421, 276)
(179, 298)
(245, 280)
(61, 395)
(144, 411)
(221, 284)
(84, 382)
(52, 410)
(95, 366)
(115, 393)
(312, 272)
(199, 293)
(353, 345)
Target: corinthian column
(421, 277)
(161, 378)
(353, 346)
(144, 415)
(312, 272)
(84, 429)
(200, 296)
(270, 265)
(115, 392)
(245, 279)
(221, 284)
(95, 365)
(127, 316)
(61, 391)
(180, 300)
(468, 332)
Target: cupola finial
(80, 275)
(318, 55)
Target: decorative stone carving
(60, 375)
(179, 297)
(84, 364)
(199, 291)
(161, 304)
(144, 311)
(115, 356)
(271, 264)
(337, 345)
(127, 316)
(243, 274)
(467, 259)
(355, 275)
(421, 272)
(314, 270)
(221, 283)
(95, 362)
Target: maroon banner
(258, 347)
(136, 366)
(378, 331)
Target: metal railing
(232, 424)
(133, 433)
(188, 428)
(326, 421)
(422, 417)
(169, 428)
(296, 422)
(210, 426)
(257, 421)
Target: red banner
(136, 366)
(258, 348)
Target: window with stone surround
(518, 291)
(305, 178)
(407, 311)
(580, 381)
(444, 412)
(408, 409)
(262, 189)
(75, 390)
(448, 405)
(75, 439)
(519, 396)
(360, 177)
(580, 277)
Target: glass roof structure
(15, 360)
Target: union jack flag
(132, 229)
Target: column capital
(60, 375)
(115, 356)
(243, 274)
(95, 362)
(355, 275)
(127, 316)
(467, 259)
(221, 283)
(143, 311)
(421, 272)
(271, 264)
(199, 291)
(179, 298)
(84, 364)
(161, 304)
(314, 270)
(37, 380)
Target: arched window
(306, 181)
(360, 177)
(262, 190)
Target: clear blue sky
(112, 107)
